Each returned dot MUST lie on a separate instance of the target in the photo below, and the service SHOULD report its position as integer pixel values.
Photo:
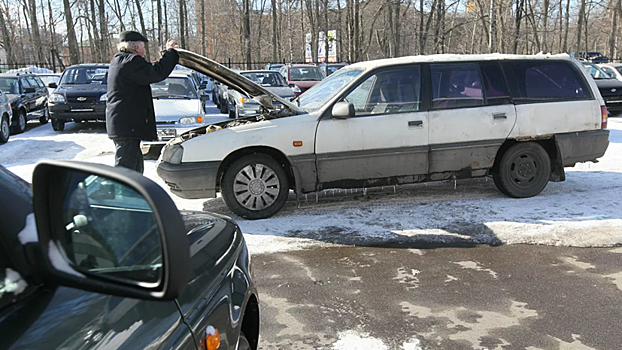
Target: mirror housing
(292, 85)
(203, 86)
(204, 97)
(51, 184)
(52, 85)
(29, 90)
(343, 110)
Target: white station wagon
(520, 119)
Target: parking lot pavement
(506, 297)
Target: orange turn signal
(297, 143)
(211, 339)
(242, 100)
(199, 119)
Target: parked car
(28, 97)
(519, 119)
(273, 66)
(613, 69)
(302, 76)
(223, 96)
(95, 257)
(6, 113)
(330, 68)
(240, 105)
(609, 87)
(49, 78)
(178, 107)
(80, 96)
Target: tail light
(605, 114)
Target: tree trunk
(74, 54)
(35, 30)
(357, 30)
(247, 33)
(421, 40)
(520, 4)
(6, 39)
(103, 27)
(492, 42)
(182, 26)
(142, 28)
(274, 30)
(159, 5)
(338, 41)
(580, 26)
(98, 53)
(545, 20)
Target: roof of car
(258, 71)
(454, 58)
(303, 65)
(98, 65)
(13, 75)
(610, 64)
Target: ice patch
(413, 344)
(473, 265)
(58, 258)
(29, 233)
(353, 340)
(13, 282)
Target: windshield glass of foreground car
(174, 88)
(85, 75)
(9, 85)
(305, 74)
(110, 231)
(265, 79)
(315, 98)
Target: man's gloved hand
(171, 44)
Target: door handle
(499, 116)
(415, 124)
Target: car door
(471, 115)
(388, 136)
(40, 92)
(29, 98)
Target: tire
(20, 119)
(58, 125)
(255, 197)
(243, 343)
(524, 170)
(223, 107)
(46, 116)
(5, 129)
(232, 113)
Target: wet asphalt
(483, 297)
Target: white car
(519, 119)
(6, 113)
(613, 69)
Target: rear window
(305, 74)
(532, 82)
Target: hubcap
(22, 122)
(524, 170)
(256, 187)
(5, 129)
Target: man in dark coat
(130, 116)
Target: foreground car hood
(232, 79)
(172, 110)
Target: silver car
(240, 105)
(178, 107)
(6, 113)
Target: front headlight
(57, 98)
(173, 154)
(104, 97)
(188, 120)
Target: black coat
(129, 109)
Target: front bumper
(78, 111)
(169, 131)
(190, 180)
(582, 146)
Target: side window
(544, 82)
(24, 83)
(494, 84)
(456, 85)
(33, 82)
(395, 91)
(609, 71)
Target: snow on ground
(582, 211)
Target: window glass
(494, 84)
(9, 85)
(85, 75)
(544, 81)
(265, 78)
(24, 82)
(33, 82)
(619, 69)
(396, 91)
(47, 79)
(609, 71)
(316, 98)
(305, 74)
(456, 85)
(174, 88)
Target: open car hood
(232, 79)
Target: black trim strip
(470, 144)
(371, 152)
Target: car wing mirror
(29, 90)
(109, 230)
(343, 110)
(52, 85)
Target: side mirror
(109, 230)
(343, 110)
(292, 85)
(29, 90)
(52, 85)
(203, 86)
(204, 97)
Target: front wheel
(46, 116)
(524, 170)
(255, 187)
(5, 129)
(20, 125)
(58, 125)
(233, 113)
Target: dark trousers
(129, 154)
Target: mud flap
(297, 184)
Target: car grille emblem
(614, 90)
(81, 99)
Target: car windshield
(47, 79)
(85, 75)
(305, 74)
(265, 78)
(596, 72)
(9, 85)
(317, 97)
(174, 88)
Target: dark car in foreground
(610, 88)
(80, 95)
(28, 97)
(106, 261)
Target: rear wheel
(255, 186)
(58, 125)
(20, 121)
(5, 129)
(524, 170)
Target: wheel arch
(550, 146)
(276, 154)
(250, 322)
